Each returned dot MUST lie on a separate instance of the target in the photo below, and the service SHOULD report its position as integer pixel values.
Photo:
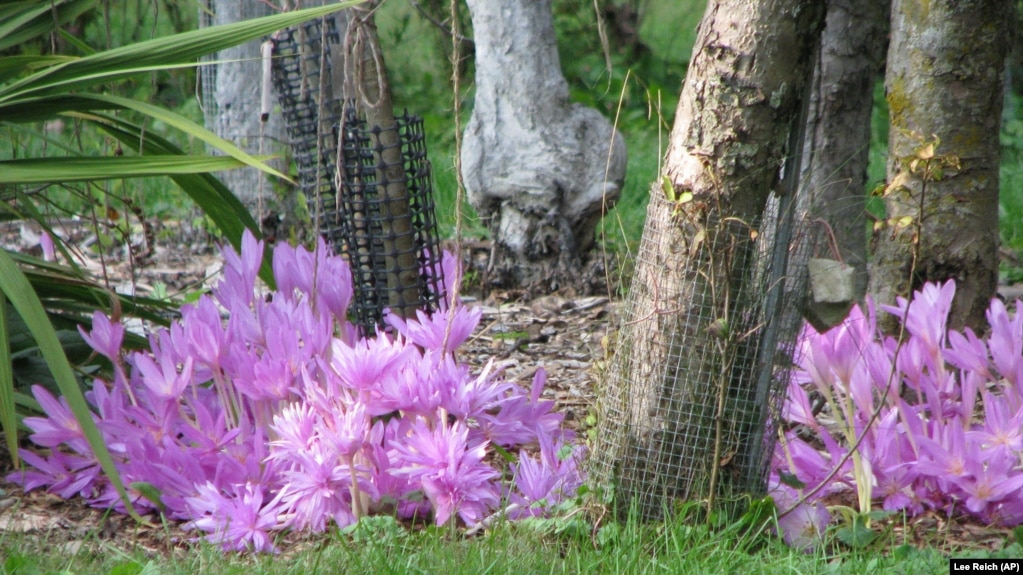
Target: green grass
(381, 546)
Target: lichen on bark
(945, 82)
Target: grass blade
(23, 21)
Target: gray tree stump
(538, 169)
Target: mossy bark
(945, 79)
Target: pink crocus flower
(62, 474)
(946, 454)
(452, 472)
(1001, 435)
(49, 250)
(255, 413)
(1006, 345)
(163, 379)
(442, 330)
(60, 425)
(237, 522)
(803, 527)
(990, 482)
(363, 365)
(240, 272)
(105, 337)
(317, 489)
(802, 524)
(927, 312)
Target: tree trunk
(367, 83)
(838, 129)
(233, 112)
(681, 385)
(539, 170)
(945, 81)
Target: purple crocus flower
(990, 482)
(927, 314)
(364, 365)
(163, 380)
(333, 292)
(293, 271)
(60, 425)
(282, 417)
(803, 527)
(892, 467)
(452, 472)
(535, 487)
(945, 453)
(1001, 435)
(296, 430)
(62, 474)
(465, 396)
(346, 431)
(207, 338)
(448, 273)
(543, 482)
(797, 408)
(522, 419)
(968, 352)
(928, 448)
(240, 272)
(318, 488)
(1006, 345)
(444, 330)
(49, 250)
(105, 337)
(237, 522)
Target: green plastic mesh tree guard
(339, 169)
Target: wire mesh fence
(687, 409)
(208, 71)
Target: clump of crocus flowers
(934, 423)
(257, 413)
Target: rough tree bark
(838, 128)
(680, 355)
(367, 84)
(235, 115)
(945, 79)
(539, 170)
